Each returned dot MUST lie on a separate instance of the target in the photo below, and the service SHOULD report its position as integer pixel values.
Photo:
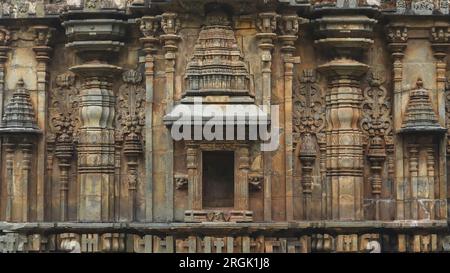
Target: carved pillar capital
(267, 24)
(5, 38)
(170, 24)
(397, 36)
(289, 28)
(149, 26)
(440, 40)
(42, 42)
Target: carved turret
(19, 115)
(420, 116)
(217, 66)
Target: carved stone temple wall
(357, 93)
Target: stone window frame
(240, 211)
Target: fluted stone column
(344, 70)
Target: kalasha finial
(419, 83)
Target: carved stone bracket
(170, 24)
(255, 181)
(149, 27)
(181, 181)
(42, 42)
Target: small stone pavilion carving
(218, 77)
(420, 116)
(422, 135)
(19, 131)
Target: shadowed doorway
(218, 179)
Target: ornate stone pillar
(289, 29)
(376, 124)
(397, 35)
(96, 146)
(130, 117)
(64, 126)
(9, 149)
(64, 153)
(343, 101)
(4, 49)
(149, 26)
(267, 25)
(440, 43)
(26, 149)
(194, 187)
(307, 157)
(241, 187)
(376, 156)
(42, 49)
(170, 24)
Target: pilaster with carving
(130, 123)
(440, 43)
(397, 36)
(309, 122)
(42, 49)
(289, 28)
(344, 71)
(65, 123)
(149, 26)
(376, 124)
(5, 37)
(267, 24)
(96, 145)
(170, 24)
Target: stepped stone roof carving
(217, 66)
(19, 115)
(420, 116)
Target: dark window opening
(218, 179)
